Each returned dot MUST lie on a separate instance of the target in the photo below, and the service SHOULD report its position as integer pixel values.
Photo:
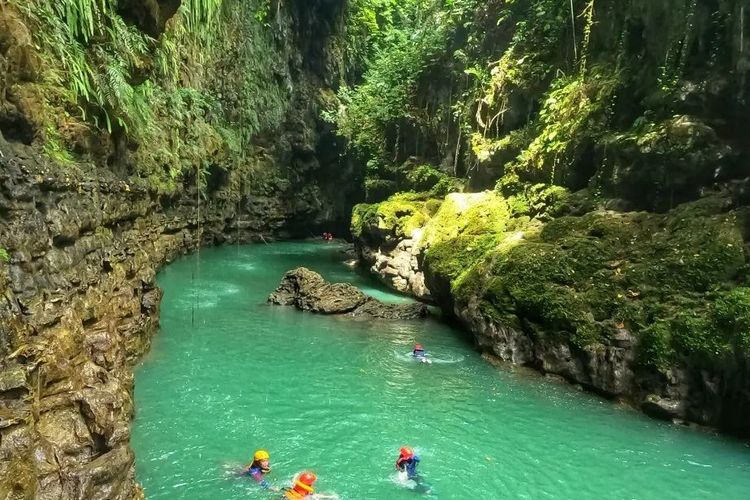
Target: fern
(201, 13)
(127, 42)
(83, 17)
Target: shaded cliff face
(649, 308)
(186, 95)
(79, 304)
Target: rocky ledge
(308, 291)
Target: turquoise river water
(228, 374)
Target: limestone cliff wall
(79, 304)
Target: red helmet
(406, 452)
(418, 347)
(307, 478)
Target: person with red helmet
(419, 354)
(407, 462)
(302, 486)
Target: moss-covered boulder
(394, 219)
(656, 165)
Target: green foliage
(655, 346)
(82, 17)
(424, 177)
(525, 63)
(201, 13)
(4, 256)
(193, 99)
(391, 103)
(535, 200)
(574, 114)
(91, 53)
(409, 42)
(731, 312)
(536, 90)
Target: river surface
(228, 374)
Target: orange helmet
(308, 478)
(406, 452)
(304, 482)
(418, 347)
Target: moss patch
(668, 278)
(397, 217)
(467, 214)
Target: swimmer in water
(259, 467)
(419, 354)
(303, 488)
(407, 462)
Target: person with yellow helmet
(259, 467)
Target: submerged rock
(308, 291)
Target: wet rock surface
(308, 291)
(398, 266)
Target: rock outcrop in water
(308, 291)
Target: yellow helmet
(261, 455)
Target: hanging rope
(573, 25)
(196, 273)
(239, 204)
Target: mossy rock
(666, 277)
(463, 214)
(393, 219)
(379, 189)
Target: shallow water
(228, 374)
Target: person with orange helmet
(302, 486)
(407, 461)
(259, 467)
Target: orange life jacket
(299, 490)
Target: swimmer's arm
(258, 476)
